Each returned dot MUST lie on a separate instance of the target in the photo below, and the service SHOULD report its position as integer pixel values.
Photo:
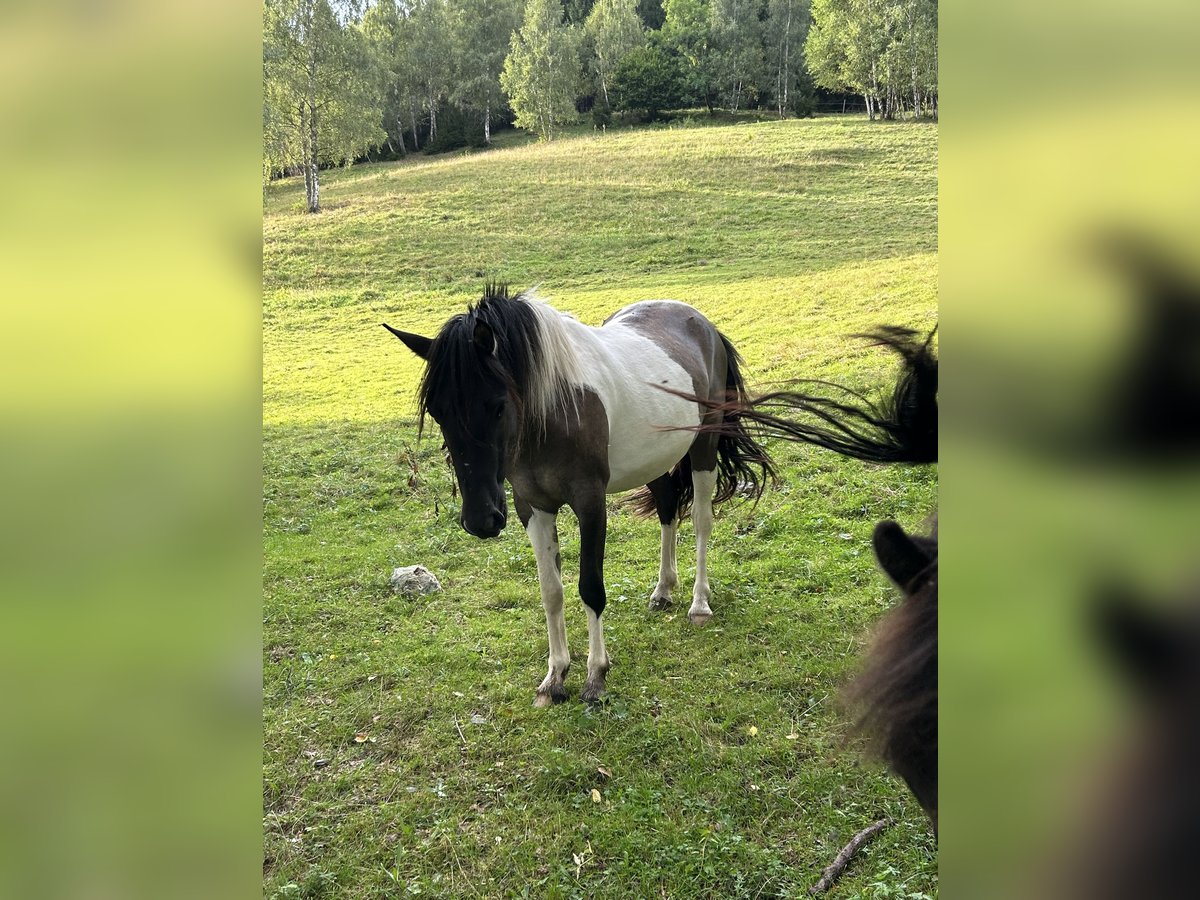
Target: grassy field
(402, 753)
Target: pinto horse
(566, 414)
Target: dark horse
(568, 413)
(896, 693)
(1140, 831)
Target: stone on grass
(414, 580)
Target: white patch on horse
(705, 485)
(556, 367)
(543, 536)
(668, 574)
(598, 662)
(627, 370)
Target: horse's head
(897, 691)
(469, 393)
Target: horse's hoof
(555, 694)
(659, 603)
(699, 618)
(592, 693)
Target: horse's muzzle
(489, 525)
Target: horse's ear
(414, 342)
(485, 338)
(1148, 650)
(902, 558)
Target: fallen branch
(838, 866)
(462, 737)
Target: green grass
(790, 236)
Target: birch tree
(787, 25)
(885, 50)
(542, 69)
(388, 36)
(615, 29)
(483, 30)
(431, 54)
(320, 101)
(737, 35)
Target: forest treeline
(346, 78)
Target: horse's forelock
(532, 358)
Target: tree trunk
(314, 195)
(787, 46)
(412, 117)
(403, 146)
(487, 123)
(312, 186)
(303, 120)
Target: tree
(615, 29)
(885, 50)
(542, 70)
(320, 101)
(431, 54)
(737, 35)
(483, 31)
(648, 80)
(786, 26)
(388, 36)
(687, 31)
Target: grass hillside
(402, 752)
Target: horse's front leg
(542, 529)
(592, 526)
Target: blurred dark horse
(1140, 834)
(896, 693)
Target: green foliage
(802, 97)
(483, 29)
(687, 31)
(651, 13)
(885, 50)
(790, 235)
(786, 75)
(320, 99)
(615, 30)
(541, 73)
(602, 115)
(739, 61)
(647, 81)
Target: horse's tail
(901, 428)
(743, 465)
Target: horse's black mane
(456, 361)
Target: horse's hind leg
(704, 484)
(666, 501)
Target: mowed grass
(403, 755)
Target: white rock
(414, 580)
